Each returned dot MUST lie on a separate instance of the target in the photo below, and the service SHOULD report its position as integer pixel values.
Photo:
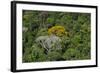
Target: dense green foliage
(75, 45)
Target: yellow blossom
(57, 30)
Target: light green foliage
(34, 53)
(42, 32)
(54, 56)
(76, 45)
(71, 54)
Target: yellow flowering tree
(57, 30)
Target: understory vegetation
(56, 36)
